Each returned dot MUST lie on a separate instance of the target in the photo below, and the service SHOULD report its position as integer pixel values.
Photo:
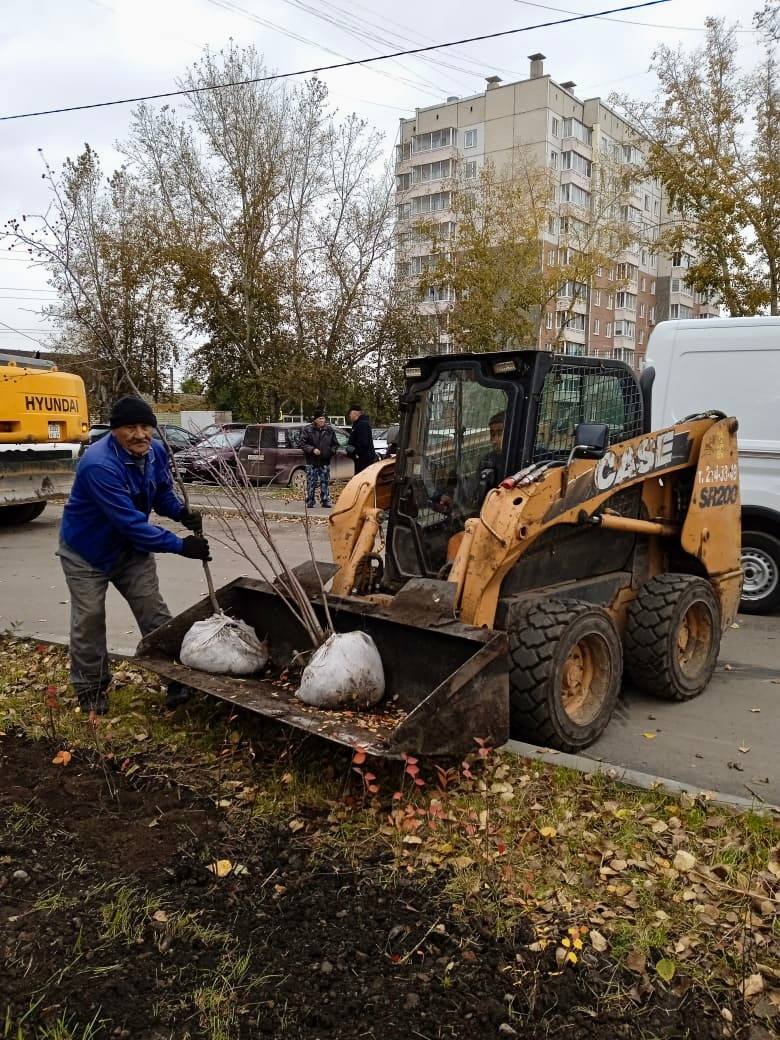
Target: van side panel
(732, 365)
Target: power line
(339, 65)
(625, 21)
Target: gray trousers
(135, 576)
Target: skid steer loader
(531, 543)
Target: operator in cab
(106, 536)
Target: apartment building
(614, 314)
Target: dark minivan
(271, 452)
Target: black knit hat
(130, 411)
(356, 408)
(319, 414)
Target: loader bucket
(446, 686)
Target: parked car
(379, 434)
(177, 436)
(199, 461)
(270, 453)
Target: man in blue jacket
(106, 536)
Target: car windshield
(231, 439)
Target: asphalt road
(726, 740)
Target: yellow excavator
(43, 422)
(531, 544)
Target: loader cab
(469, 420)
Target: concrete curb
(272, 514)
(646, 781)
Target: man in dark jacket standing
(106, 537)
(361, 440)
(319, 444)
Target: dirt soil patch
(142, 911)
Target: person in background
(360, 445)
(319, 444)
(106, 536)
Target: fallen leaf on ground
(598, 941)
(743, 748)
(160, 916)
(752, 986)
(666, 969)
(548, 832)
(221, 867)
(649, 736)
(61, 758)
(636, 962)
(684, 861)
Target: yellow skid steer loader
(531, 543)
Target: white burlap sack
(345, 671)
(223, 646)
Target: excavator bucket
(446, 683)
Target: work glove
(192, 520)
(195, 547)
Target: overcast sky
(66, 52)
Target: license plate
(256, 458)
(54, 431)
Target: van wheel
(20, 514)
(565, 671)
(298, 481)
(761, 573)
(672, 638)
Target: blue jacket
(107, 512)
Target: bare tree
(113, 299)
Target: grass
(513, 840)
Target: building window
(625, 328)
(554, 160)
(597, 297)
(403, 151)
(641, 337)
(608, 330)
(575, 349)
(574, 161)
(610, 301)
(574, 128)
(548, 320)
(679, 310)
(625, 301)
(470, 139)
(596, 327)
(575, 194)
(551, 257)
(641, 310)
(430, 203)
(556, 126)
(438, 139)
(644, 285)
(651, 315)
(471, 170)
(403, 211)
(431, 171)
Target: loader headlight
(414, 372)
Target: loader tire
(565, 671)
(672, 638)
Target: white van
(732, 365)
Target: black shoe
(93, 702)
(177, 695)
(327, 505)
(310, 505)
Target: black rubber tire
(767, 549)
(651, 637)
(541, 636)
(10, 515)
